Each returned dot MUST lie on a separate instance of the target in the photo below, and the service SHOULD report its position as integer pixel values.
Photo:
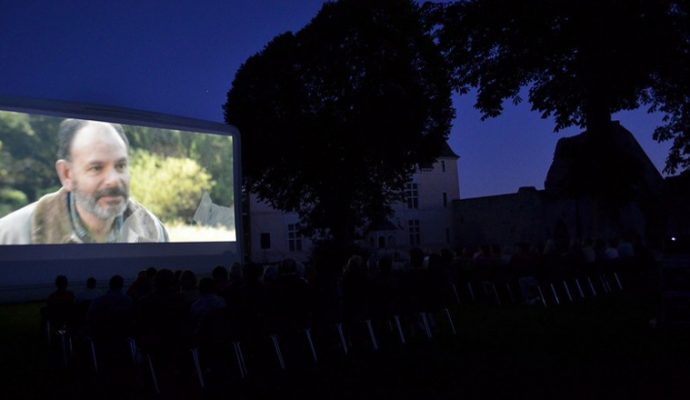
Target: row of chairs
(236, 354)
(547, 292)
(226, 351)
(313, 345)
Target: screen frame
(19, 264)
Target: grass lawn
(26, 369)
(599, 349)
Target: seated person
(59, 309)
(110, 320)
(207, 303)
(87, 295)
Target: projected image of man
(93, 205)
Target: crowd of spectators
(167, 312)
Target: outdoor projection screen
(181, 172)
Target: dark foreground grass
(600, 349)
(25, 369)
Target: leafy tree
(214, 152)
(27, 154)
(11, 200)
(583, 60)
(164, 142)
(335, 117)
(170, 187)
(4, 167)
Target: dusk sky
(180, 57)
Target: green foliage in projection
(4, 175)
(27, 154)
(170, 187)
(164, 142)
(11, 200)
(214, 152)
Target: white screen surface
(182, 172)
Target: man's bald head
(70, 127)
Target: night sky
(180, 57)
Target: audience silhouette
(274, 309)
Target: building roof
(447, 152)
(597, 161)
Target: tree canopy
(27, 156)
(583, 60)
(335, 117)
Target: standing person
(93, 205)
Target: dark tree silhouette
(335, 117)
(583, 60)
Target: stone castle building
(423, 219)
(598, 187)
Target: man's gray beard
(90, 204)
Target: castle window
(382, 242)
(265, 240)
(412, 195)
(443, 166)
(294, 238)
(445, 199)
(413, 227)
